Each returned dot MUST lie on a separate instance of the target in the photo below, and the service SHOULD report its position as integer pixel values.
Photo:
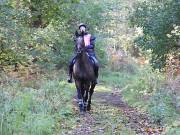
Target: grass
(26, 109)
(44, 106)
(145, 89)
(115, 79)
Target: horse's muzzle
(79, 51)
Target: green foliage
(11, 35)
(143, 83)
(160, 107)
(145, 90)
(42, 31)
(25, 110)
(116, 79)
(158, 20)
(174, 129)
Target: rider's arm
(74, 39)
(92, 43)
(92, 40)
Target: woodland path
(110, 115)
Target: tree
(42, 31)
(160, 21)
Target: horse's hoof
(78, 120)
(88, 108)
(82, 113)
(85, 109)
(96, 82)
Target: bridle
(80, 50)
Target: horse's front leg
(86, 96)
(90, 95)
(80, 101)
(80, 97)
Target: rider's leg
(96, 66)
(71, 63)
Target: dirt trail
(111, 115)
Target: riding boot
(96, 74)
(71, 64)
(96, 67)
(69, 80)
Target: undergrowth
(146, 90)
(27, 110)
(44, 106)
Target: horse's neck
(84, 60)
(85, 57)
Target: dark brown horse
(84, 76)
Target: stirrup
(69, 80)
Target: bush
(141, 86)
(161, 107)
(159, 21)
(175, 88)
(119, 63)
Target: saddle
(90, 58)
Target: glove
(90, 47)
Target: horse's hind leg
(90, 94)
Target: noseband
(79, 51)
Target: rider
(89, 41)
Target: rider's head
(82, 27)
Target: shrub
(161, 107)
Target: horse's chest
(83, 72)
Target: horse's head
(80, 46)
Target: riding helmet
(82, 24)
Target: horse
(84, 76)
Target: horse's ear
(76, 34)
(74, 39)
